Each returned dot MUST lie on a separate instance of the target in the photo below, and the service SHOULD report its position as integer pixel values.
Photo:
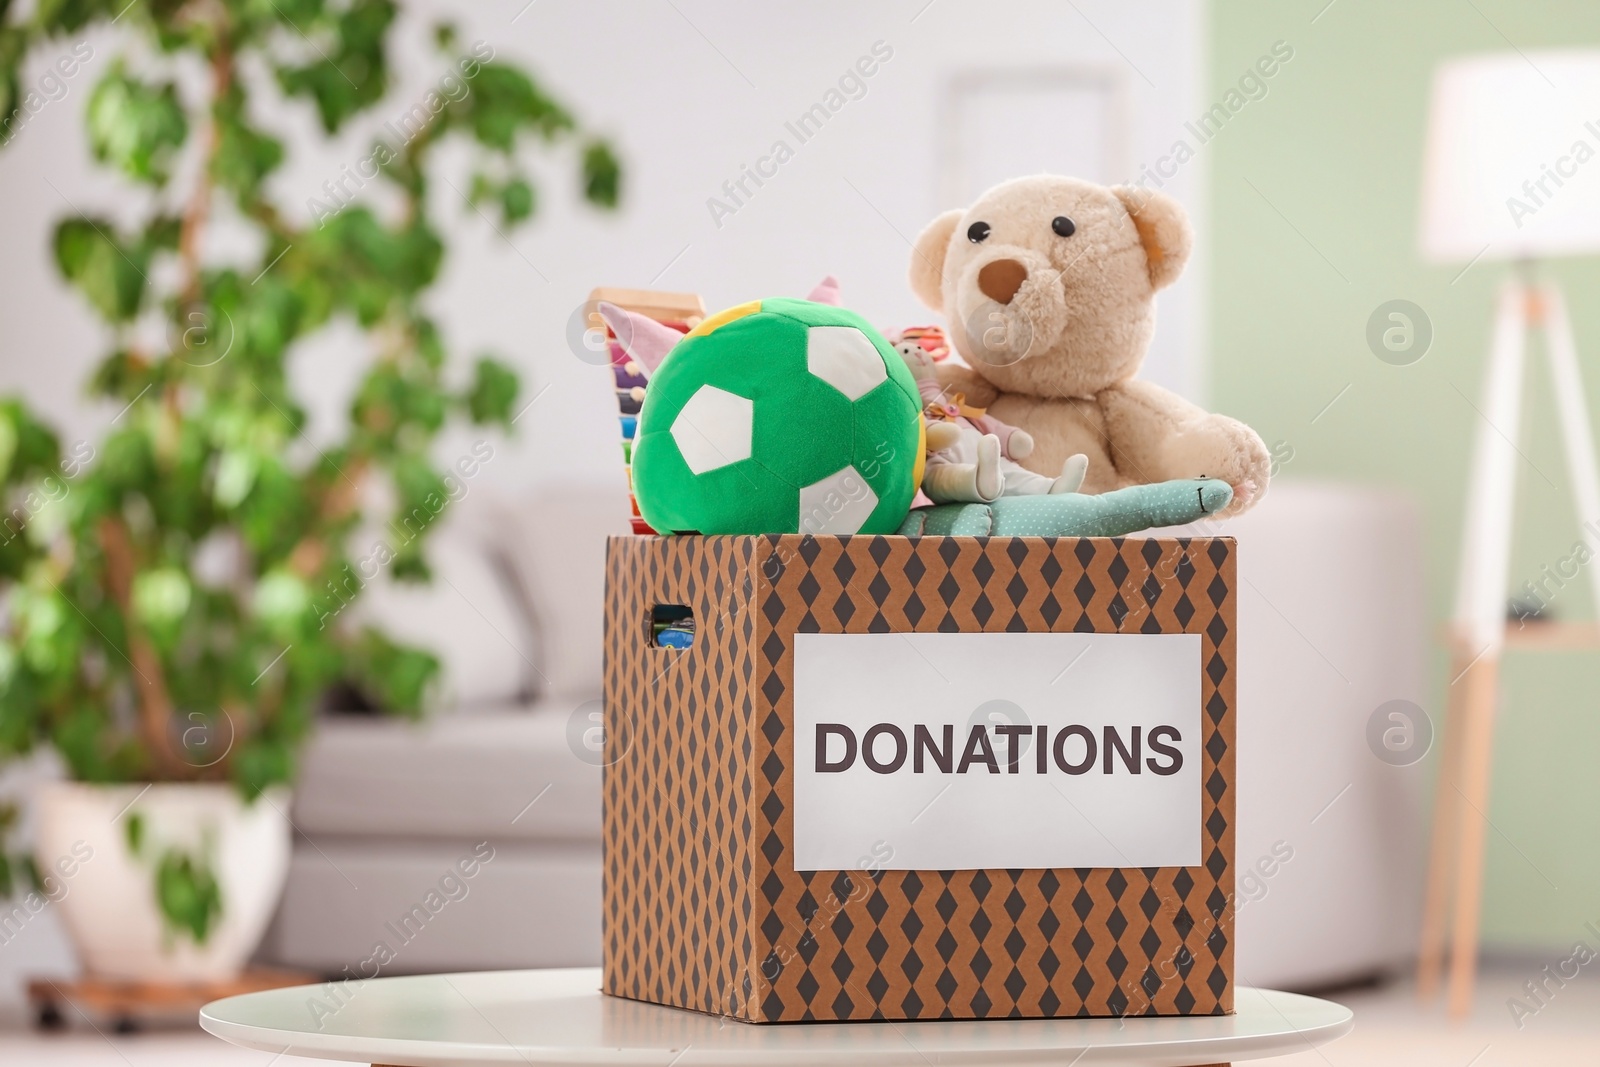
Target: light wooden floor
(1391, 1030)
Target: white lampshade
(1512, 169)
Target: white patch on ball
(841, 503)
(843, 357)
(714, 429)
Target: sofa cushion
(556, 545)
(470, 615)
(519, 772)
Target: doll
(973, 455)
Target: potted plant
(170, 593)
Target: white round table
(560, 1017)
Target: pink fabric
(642, 337)
(934, 393)
(826, 292)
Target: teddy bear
(972, 456)
(1048, 284)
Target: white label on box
(941, 751)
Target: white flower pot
(106, 895)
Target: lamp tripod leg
(1436, 899)
(1577, 436)
(1477, 746)
(1481, 622)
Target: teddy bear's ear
(1164, 231)
(927, 259)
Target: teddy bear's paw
(1226, 449)
(1245, 494)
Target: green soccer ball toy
(776, 416)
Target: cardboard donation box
(920, 778)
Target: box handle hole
(671, 626)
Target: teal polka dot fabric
(1114, 514)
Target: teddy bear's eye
(1063, 226)
(977, 232)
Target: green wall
(1335, 148)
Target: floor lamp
(1512, 173)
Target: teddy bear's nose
(1000, 280)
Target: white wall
(690, 91)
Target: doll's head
(917, 358)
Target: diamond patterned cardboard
(702, 906)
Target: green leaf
(602, 175)
(53, 632)
(161, 598)
(493, 393)
(8, 819)
(68, 16)
(293, 12)
(30, 871)
(188, 894)
(275, 513)
(122, 376)
(260, 763)
(273, 316)
(14, 43)
(253, 318)
(162, 232)
(236, 472)
(282, 602)
(245, 155)
(504, 102)
(394, 676)
(367, 267)
(133, 832)
(421, 495)
(410, 565)
(35, 449)
(482, 188)
(516, 201)
(136, 127)
(515, 197)
(430, 345)
(76, 739)
(128, 462)
(180, 496)
(351, 77)
(390, 402)
(8, 446)
(111, 274)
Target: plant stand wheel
(47, 1016)
(129, 1007)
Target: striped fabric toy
(679, 311)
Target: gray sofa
(385, 809)
(1332, 624)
